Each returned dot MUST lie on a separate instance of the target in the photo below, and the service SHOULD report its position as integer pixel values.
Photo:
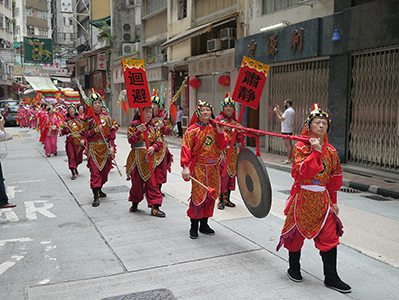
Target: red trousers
(98, 178)
(226, 182)
(75, 157)
(163, 168)
(50, 143)
(324, 241)
(204, 210)
(139, 187)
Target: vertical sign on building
(66, 6)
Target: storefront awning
(40, 83)
(196, 31)
(99, 23)
(62, 79)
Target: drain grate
(360, 186)
(159, 294)
(116, 189)
(388, 193)
(349, 190)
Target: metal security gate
(373, 135)
(211, 91)
(305, 83)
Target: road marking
(11, 216)
(31, 209)
(11, 191)
(13, 259)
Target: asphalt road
(55, 245)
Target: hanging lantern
(194, 82)
(224, 80)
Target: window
(18, 29)
(43, 31)
(182, 9)
(64, 21)
(17, 12)
(155, 5)
(42, 14)
(8, 23)
(29, 12)
(270, 6)
(70, 22)
(30, 29)
(7, 3)
(1, 21)
(130, 2)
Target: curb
(373, 189)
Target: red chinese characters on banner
(136, 83)
(250, 82)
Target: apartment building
(6, 50)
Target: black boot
(155, 211)
(160, 186)
(221, 201)
(96, 195)
(194, 228)
(294, 272)
(227, 201)
(331, 278)
(101, 193)
(73, 174)
(204, 227)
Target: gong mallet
(211, 191)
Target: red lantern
(194, 83)
(224, 80)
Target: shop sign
(157, 74)
(117, 74)
(221, 64)
(38, 50)
(101, 64)
(98, 81)
(55, 66)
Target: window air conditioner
(128, 48)
(214, 45)
(227, 33)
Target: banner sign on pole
(136, 83)
(250, 82)
(38, 50)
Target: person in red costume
(228, 182)
(312, 210)
(164, 157)
(74, 142)
(100, 133)
(50, 130)
(137, 165)
(200, 153)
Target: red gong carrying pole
(147, 147)
(302, 138)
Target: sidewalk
(380, 182)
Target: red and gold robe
(97, 148)
(138, 155)
(318, 177)
(200, 151)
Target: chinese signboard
(101, 64)
(38, 50)
(250, 82)
(136, 83)
(55, 66)
(219, 64)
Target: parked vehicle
(9, 110)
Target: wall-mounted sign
(38, 50)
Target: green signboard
(38, 50)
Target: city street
(55, 245)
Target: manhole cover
(116, 189)
(159, 294)
(378, 198)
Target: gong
(254, 183)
